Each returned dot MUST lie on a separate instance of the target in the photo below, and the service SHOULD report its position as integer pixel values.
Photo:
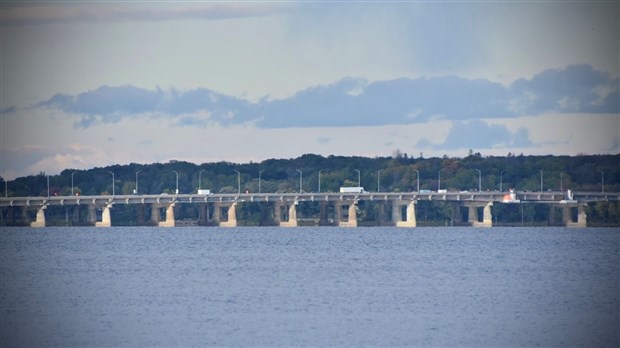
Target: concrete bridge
(396, 209)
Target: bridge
(397, 209)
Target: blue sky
(91, 84)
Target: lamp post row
(136, 191)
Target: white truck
(351, 190)
(204, 192)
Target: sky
(89, 84)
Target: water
(140, 286)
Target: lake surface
(196, 286)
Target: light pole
(479, 179)
(6, 188)
(48, 186)
(541, 180)
(320, 179)
(260, 172)
(379, 180)
(112, 182)
(177, 173)
(500, 180)
(418, 179)
(72, 182)
(200, 179)
(561, 181)
(300, 179)
(138, 172)
(439, 180)
(238, 182)
(602, 181)
(359, 176)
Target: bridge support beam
(350, 220)
(232, 216)
(581, 215)
(487, 217)
(409, 219)
(91, 217)
(291, 215)
(170, 221)
(323, 220)
(40, 219)
(106, 219)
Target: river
(325, 286)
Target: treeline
(397, 173)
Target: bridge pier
(106, 219)
(487, 217)
(323, 214)
(397, 214)
(350, 220)
(40, 219)
(290, 216)
(232, 216)
(170, 221)
(582, 217)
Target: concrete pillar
(338, 213)
(410, 220)
(472, 216)
(351, 221)
(487, 216)
(323, 220)
(217, 213)
(581, 216)
(92, 215)
(203, 215)
(397, 215)
(232, 217)
(25, 219)
(551, 219)
(140, 218)
(106, 220)
(40, 219)
(170, 221)
(155, 214)
(292, 217)
(277, 212)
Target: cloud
(357, 102)
(478, 134)
(42, 13)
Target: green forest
(396, 173)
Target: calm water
(324, 286)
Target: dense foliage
(397, 173)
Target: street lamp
(320, 179)
(177, 173)
(138, 172)
(48, 186)
(500, 180)
(238, 182)
(72, 183)
(359, 176)
(541, 180)
(439, 180)
(379, 180)
(602, 181)
(479, 179)
(200, 179)
(561, 181)
(300, 179)
(418, 173)
(259, 179)
(112, 182)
